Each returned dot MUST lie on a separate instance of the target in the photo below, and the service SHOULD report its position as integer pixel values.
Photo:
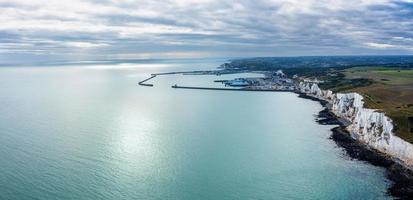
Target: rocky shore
(368, 126)
(401, 177)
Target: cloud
(85, 44)
(379, 45)
(208, 27)
(403, 39)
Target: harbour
(275, 82)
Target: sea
(88, 131)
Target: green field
(386, 82)
(390, 90)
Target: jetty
(166, 73)
(142, 83)
(198, 72)
(227, 89)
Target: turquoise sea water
(88, 132)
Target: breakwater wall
(142, 83)
(228, 89)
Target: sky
(126, 29)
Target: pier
(221, 81)
(196, 72)
(205, 72)
(228, 89)
(142, 83)
(166, 73)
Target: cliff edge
(368, 126)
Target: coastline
(399, 175)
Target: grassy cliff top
(388, 89)
(391, 91)
(386, 82)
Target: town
(276, 81)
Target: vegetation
(388, 89)
(391, 92)
(333, 78)
(386, 83)
(274, 63)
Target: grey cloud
(226, 28)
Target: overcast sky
(94, 29)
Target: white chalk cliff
(368, 126)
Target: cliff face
(368, 126)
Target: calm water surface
(90, 133)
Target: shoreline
(399, 175)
